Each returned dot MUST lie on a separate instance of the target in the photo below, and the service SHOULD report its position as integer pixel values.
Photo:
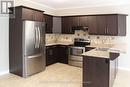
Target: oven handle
(78, 48)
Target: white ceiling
(60, 4)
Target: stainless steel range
(75, 51)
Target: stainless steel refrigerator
(33, 47)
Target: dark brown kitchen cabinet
(29, 14)
(68, 22)
(51, 55)
(97, 25)
(113, 25)
(99, 72)
(63, 54)
(26, 13)
(83, 21)
(67, 25)
(49, 23)
(56, 53)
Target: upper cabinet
(26, 13)
(107, 24)
(68, 22)
(113, 25)
(53, 24)
(67, 25)
(48, 23)
(29, 14)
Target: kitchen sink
(102, 49)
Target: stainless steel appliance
(75, 51)
(33, 47)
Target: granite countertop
(97, 53)
(59, 43)
(104, 50)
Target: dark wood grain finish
(100, 72)
(27, 14)
(49, 23)
(15, 47)
(51, 55)
(95, 72)
(56, 53)
(112, 25)
(63, 54)
(92, 25)
(66, 25)
(38, 16)
(101, 25)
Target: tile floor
(57, 75)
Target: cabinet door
(38, 16)
(92, 25)
(74, 21)
(101, 25)
(112, 25)
(48, 23)
(51, 55)
(66, 25)
(63, 58)
(95, 72)
(83, 21)
(27, 14)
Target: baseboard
(122, 68)
(4, 72)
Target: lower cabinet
(99, 72)
(63, 54)
(57, 53)
(51, 55)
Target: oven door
(75, 61)
(76, 51)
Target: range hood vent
(84, 28)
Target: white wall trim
(122, 68)
(4, 72)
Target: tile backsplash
(53, 38)
(95, 39)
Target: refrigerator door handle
(39, 37)
(35, 38)
(34, 56)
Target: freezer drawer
(34, 64)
